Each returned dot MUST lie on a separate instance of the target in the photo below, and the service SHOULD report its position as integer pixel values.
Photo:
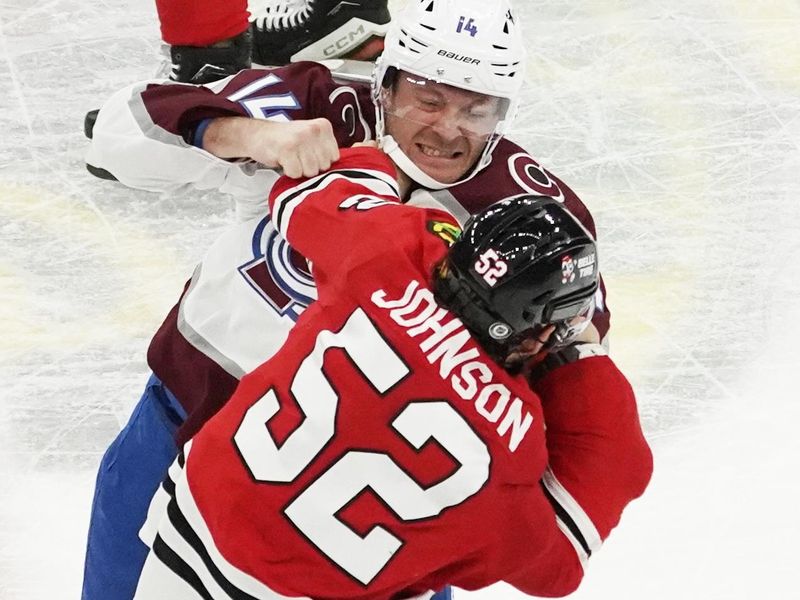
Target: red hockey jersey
(381, 452)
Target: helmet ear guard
(492, 332)
(519, 266)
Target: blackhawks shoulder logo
(447, 231)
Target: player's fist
(299, 148)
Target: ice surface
(678, 123)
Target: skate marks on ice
(679, 126)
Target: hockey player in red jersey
(252, 287)
(383, 451)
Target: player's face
(528, 347)
(443, 129)
(576, 329)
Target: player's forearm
(301, 148)
(231, 137)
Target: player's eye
(429, 103)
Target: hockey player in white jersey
(440, 117)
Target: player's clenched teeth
(436, 152)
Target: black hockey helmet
(520, 265)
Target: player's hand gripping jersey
(251, 286)
(380, 453)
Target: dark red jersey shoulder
(513, 171)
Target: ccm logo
(460, 57)
(346, 41)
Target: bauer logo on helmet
(459, 57)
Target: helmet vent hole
(429, 8)
(410, 43)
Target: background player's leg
(204, 64)
(208, 39)
(291, 30)
(130, 472)
(201, 22)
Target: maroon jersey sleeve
(303, 90)
(599, 460)
(513, 171)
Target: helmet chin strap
(405, 164)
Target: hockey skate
(193, 64)
(292, 30)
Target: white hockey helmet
(475, 45)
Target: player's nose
(448, 129)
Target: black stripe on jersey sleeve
(567, 520)
(314, 184)
(182, 526)
(169, 486)
(180, 567)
